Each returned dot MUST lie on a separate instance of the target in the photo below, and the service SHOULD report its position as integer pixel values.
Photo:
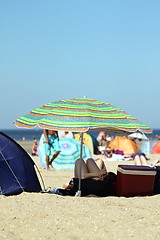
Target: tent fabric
(89, 140)
(124, 144)
(156, 148)
(17, 172)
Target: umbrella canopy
(124, 144)
(80, 115)
(138, 135)
(70, 152)
(156, 148)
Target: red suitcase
(135, 180)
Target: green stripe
(80, 113)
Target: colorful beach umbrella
(70, 152)
(80, 115)
(138, 135)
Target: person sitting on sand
(144, 162)
(51, 143)
(138, 158)
(113, 152)
(94, 180)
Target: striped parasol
(70, 152)
(81, 115)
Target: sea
(30, 134)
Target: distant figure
(108, 138)
(34, 147)
(138, 142)
(51, 143)
(116, 154)
(138, 158)
(102, 138)
(157, 136)
(67, 134)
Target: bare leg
(143, 160)
(157, 162)
(96, 167)
(137, 160)
(100, 164)
(90, 169)
(92, 166)
(77, 168)
(47, 162)
(54, 156)
(89, 166)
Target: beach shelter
(124, 144)
(89, 141)
(17, 172)
(80, 115)
(156, 148)
(138, 135)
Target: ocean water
(23, 134)
(29, 134)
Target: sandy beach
(48, 216)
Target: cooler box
(157, 181)
(135, 180)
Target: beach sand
(48, 216)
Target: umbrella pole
(78, 193)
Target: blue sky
(105, 50)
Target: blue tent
(17, 172)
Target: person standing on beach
(51, 143)
(34, 147)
